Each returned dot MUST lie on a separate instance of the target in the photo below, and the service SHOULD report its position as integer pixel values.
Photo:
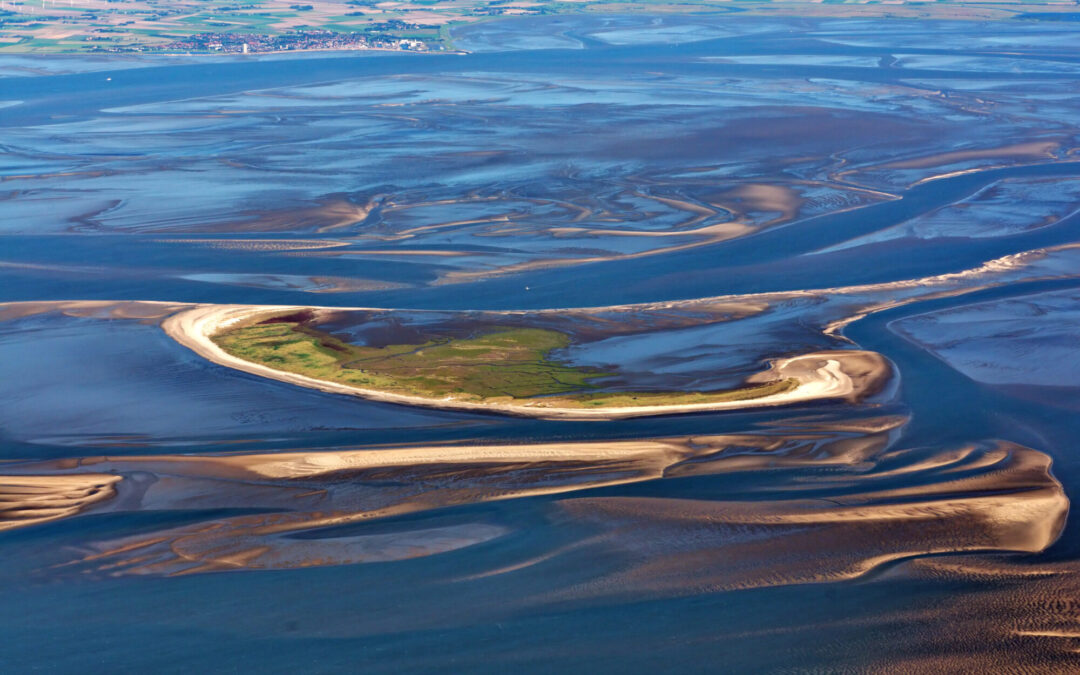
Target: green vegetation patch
(510, 363)
(622, 399)
(504, 365)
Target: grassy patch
(508, 366)
(504, 364)
(622, 399)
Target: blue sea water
(564, 162)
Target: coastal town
(306, 40)
(265, 26)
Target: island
(500, 370)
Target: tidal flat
(642, 205)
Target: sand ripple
(809, 506)
(28, 500)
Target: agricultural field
(217, 26)
(252, 26)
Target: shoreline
(841, 374)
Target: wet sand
(985, 496)
(29, 500)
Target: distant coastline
(275, 26)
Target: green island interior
(511, 365)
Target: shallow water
(761, 187)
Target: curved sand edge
(847, 374)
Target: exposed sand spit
(828, 506)
(28, 500)
(308, 492)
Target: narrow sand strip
(847, 374)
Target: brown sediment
(697, 213)
(772, 198)
(682, 546)
(113, 309)
(29, 499)
(867, 425)
(1008, 615)
(752, 303)
(408, 233)
(312, 491)
(128, 310)
(305, 284)
(676, 313)
(405, 252)
(1032, 150)
(712, 233)
(767, 197)
(707, 234)
(333, 212)
(1003, 264)
(805, 525)
(260, 244)
(652, 455)
(352, 285)
(794, 449)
